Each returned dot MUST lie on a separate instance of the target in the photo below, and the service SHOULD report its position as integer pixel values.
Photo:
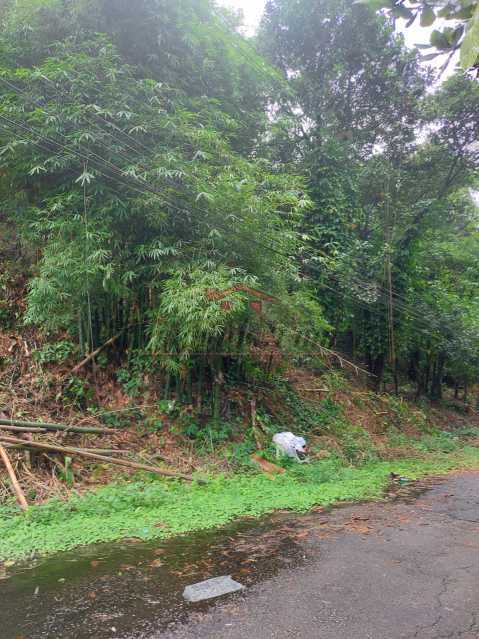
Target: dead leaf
(302, 535)
(156, 563)
(267, 466)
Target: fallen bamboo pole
(13, 478)
(65, 427)
(100, 451)
(96, 352)
(23, 429)
(102, 458)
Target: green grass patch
(155, 508)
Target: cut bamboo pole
(96, 352)
(99, 451)
(47, 426)
(13, 478)
(103, 451)
(22, 429)
(102, 458)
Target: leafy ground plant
(150, 508)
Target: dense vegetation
(224, 221)
(151, 509)
(224, 207)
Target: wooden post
(13, 478)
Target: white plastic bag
(290, 445)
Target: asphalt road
(380, 571)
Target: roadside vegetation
(206, 239)
(348, 462)
(151, 509)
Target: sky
(252, 9)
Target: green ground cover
(154, 508)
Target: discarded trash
(290, 445)
(211, 588)
(399, 479)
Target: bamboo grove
(222, 206)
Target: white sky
(252, 9)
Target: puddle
(129, 590)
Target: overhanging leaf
(470, 46)
(427, 17)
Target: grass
(153, 508)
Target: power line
(164, 201)
(152, 190)
(361, 283)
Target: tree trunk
(437, 375)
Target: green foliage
(134, 509)
(444, 442)
(189, 319)
(55, 352)
(161, 187)
(463, 35)
(150, 197)
(7, 313)
(355, 442)
(402, 204)
(334, 381)
(77, 393)
(208, 436)
(132, 376)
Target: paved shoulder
(380, 571)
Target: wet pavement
(400, 569)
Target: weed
(334, 381)
(439, 442)
(355, 442)
(154, 424)
(396, 438)
(467, 432)
(55, 352)
(239, 454)
(132, 376)
(309, 417)
(77, 393)
(133, 509)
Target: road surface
(379, 571)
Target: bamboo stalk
(22, 429)
(101, 458)
(103, 451)
(96, 352)
(253, 425)
(98, 451)
(47, 426)
(13, 478)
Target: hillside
(335, 409)
(207, 239)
